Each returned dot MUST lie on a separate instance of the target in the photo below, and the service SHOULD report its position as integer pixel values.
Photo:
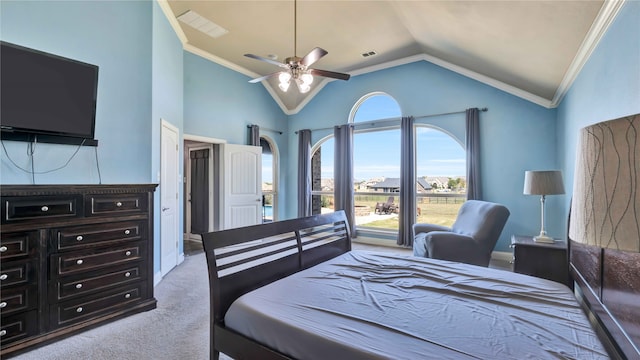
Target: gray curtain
(254, 135)
(199, 191)
(343, 173)
(408, 180)
(304, 173)
(472, 142)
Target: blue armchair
(470, 240)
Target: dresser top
(37, 190)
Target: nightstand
(547, 261)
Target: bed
(294, 289)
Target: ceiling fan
(296, 68)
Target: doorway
(201, 182)
(198, 189)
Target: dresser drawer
(17, 272)
(72, 311)
(116, 204)
(77, 237)
(18, 299)
(25, 208)
(82, 261)
(18, 245)
(18, 326)
(68, 287)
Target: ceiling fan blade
(313, 56)
(329, 74)
(257, 80)
(276, 63)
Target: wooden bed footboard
(243, 259)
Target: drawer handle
(127, 274)
(127, 232)
(3, 305)
(3, 332)
(79, 262)
(118, 204)
(79, 309)
(3, 248)
(78, 286)
(126, 296)
(128, 253)
(79, 238)
(4, 277)
(44, 208)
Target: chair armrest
(423, 227)
(454, 247)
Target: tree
(452, 183)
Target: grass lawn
(434, 213)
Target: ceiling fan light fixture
(284, 77)
(303, 87)
(284, 86)
(306, 78)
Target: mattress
(365, 305)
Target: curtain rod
(373, 122)
(267, 129)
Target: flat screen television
(45, 94)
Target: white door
(169, 182)
(242, 185)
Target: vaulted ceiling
(532, 49)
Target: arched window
(269, 179)
(376, 162)
(440, 169)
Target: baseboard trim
(502, 256)
(157, 277)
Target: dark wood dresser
(72, 257)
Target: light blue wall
(220, 103)
(516, 135)
(608, 87)
(76, 29)
(167, 104)
(140, 81)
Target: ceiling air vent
(200, 23)
(369, 53)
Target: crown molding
(459, 70)
(600, 25)
(173, 21)
(603, 20)
(218, 60)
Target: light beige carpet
(177, 329)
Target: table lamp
(543, 183)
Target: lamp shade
(543, 182)
(605, 210)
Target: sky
(377, 154)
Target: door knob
(165, 208)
